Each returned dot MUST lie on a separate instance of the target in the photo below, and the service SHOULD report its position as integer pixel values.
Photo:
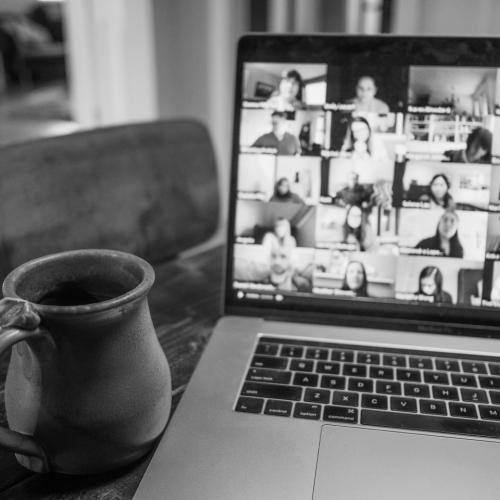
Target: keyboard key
(374, 401)
(464, 380)
(317, 396)
(489, 382)
(494, 368)
(403, 404)
(249, 405)
(360, 385)
(355, 370)
(463, 410)
(368, 358)
(317, 353)
(300, 365)
(474, 395)
(278, 408)
(433, 407)
(408, 375)
(382, 372)
(303, 410)
(495, 397)
(264, 375)
(388, 387)
(436, 378)
(430, 423)
(340, 355)
(308, 379)
(268, 362)
(267, 349)
(417, 390)
(422, 363)
(489, 412)
(332, 382)
(272, 391)
(345, 398)
(327, 367)
(447, 365)
(395, 360)
(340, 414)
(291, 351)
(439, 392)
(473, 367)
(345, 356)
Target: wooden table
(185, 303)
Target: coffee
(78, 293)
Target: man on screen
(279, 138)
(354, 193)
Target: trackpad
(362, 463)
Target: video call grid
(374, 184)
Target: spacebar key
(412, 421)
(273, 391)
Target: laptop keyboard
(365, 385)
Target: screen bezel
(314, 49)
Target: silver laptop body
(359, 355)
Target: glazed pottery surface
(88, 387)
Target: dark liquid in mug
(74, 293)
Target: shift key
(273, 391)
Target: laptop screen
(366, 173)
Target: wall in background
(195, 45)
(15, 5)
(446, 17)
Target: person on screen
(288, 96)
(358, 138)
(283, 193)
(355, 279)
(430, 283)
(279, 138)
(357, 230)
(365, 100)
(439, 192)
(280, 236)
(446, 238)
(478, 148)
(354, 193)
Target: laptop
(359, 353)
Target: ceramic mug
(88, 387)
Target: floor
(38, 112)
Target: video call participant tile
(273, 267)
(291, 223)
(354, 274)
(443, 233)
(438, 281)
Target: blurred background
(67, 65)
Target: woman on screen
(446, 238)
(355, 279)
(439, 192)
(281, 236)
(357, 230)
(283, 193)
(359, 138)
(288, 96)
(430, 284)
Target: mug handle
(18, 322)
